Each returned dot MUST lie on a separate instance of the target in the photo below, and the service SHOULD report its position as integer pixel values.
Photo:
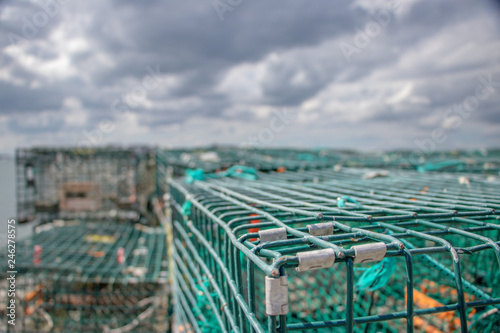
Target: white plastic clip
(311, 260)
(277, 295)
(271, 235)
(321, 229)
(369, 252)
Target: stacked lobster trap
(77, 276)
(220, 158)
(347, 250)
(69, 183)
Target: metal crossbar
(332, 250)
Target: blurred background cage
(67, 183)
(482, 161)
(83, 276)
(346, 250)
(214, 159)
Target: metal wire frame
(56, 303)
(479, 162)
(433, 226)
(88, 249)
(121, 178)
(77, 283)
(261, 159)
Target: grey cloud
(28, 22)
(51, 124)
(187, 40)
(15, 99)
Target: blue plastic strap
(186, 208)
(192, 175)
(460, 165)
(241, 171)
(342, 200)
(378, 275)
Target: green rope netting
(203, 308)
(377, 276)
(343, 199)
(239, 171)
(460, 165)
(186, 208)
(305, 157)
(194, 174)
(486, 321)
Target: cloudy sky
(357, 74)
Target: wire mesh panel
(220, 158)
(219, 161)
(90, 277)
(329, 250)
(475, 161)
(71, 182)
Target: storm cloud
(357, 74)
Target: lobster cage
(221, 158)
(482, 161)
(68, 183)
(89, 277)
(336, 251)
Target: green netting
(90, 277)
(458, 165)
(239, 171)
(192, 175)
(376, 276)
(438, 272)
